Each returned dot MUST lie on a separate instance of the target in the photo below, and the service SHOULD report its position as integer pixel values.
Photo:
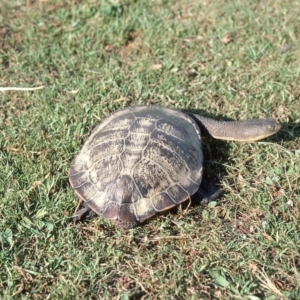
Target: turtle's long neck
(248, 130)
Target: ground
(226, 59)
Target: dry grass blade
(268, 284)
(11, 88)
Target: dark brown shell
(140, 161)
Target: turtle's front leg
(207, 192)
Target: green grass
(228, 59)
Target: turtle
(144, 160)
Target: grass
(228, 59)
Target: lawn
(225, 59)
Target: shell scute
(127, 213)
(162, 202)
(177, 193)
(111, 210)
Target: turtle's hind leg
(86, 211)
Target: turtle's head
(242, 131)
(256, 129)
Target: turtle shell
(139, 161)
